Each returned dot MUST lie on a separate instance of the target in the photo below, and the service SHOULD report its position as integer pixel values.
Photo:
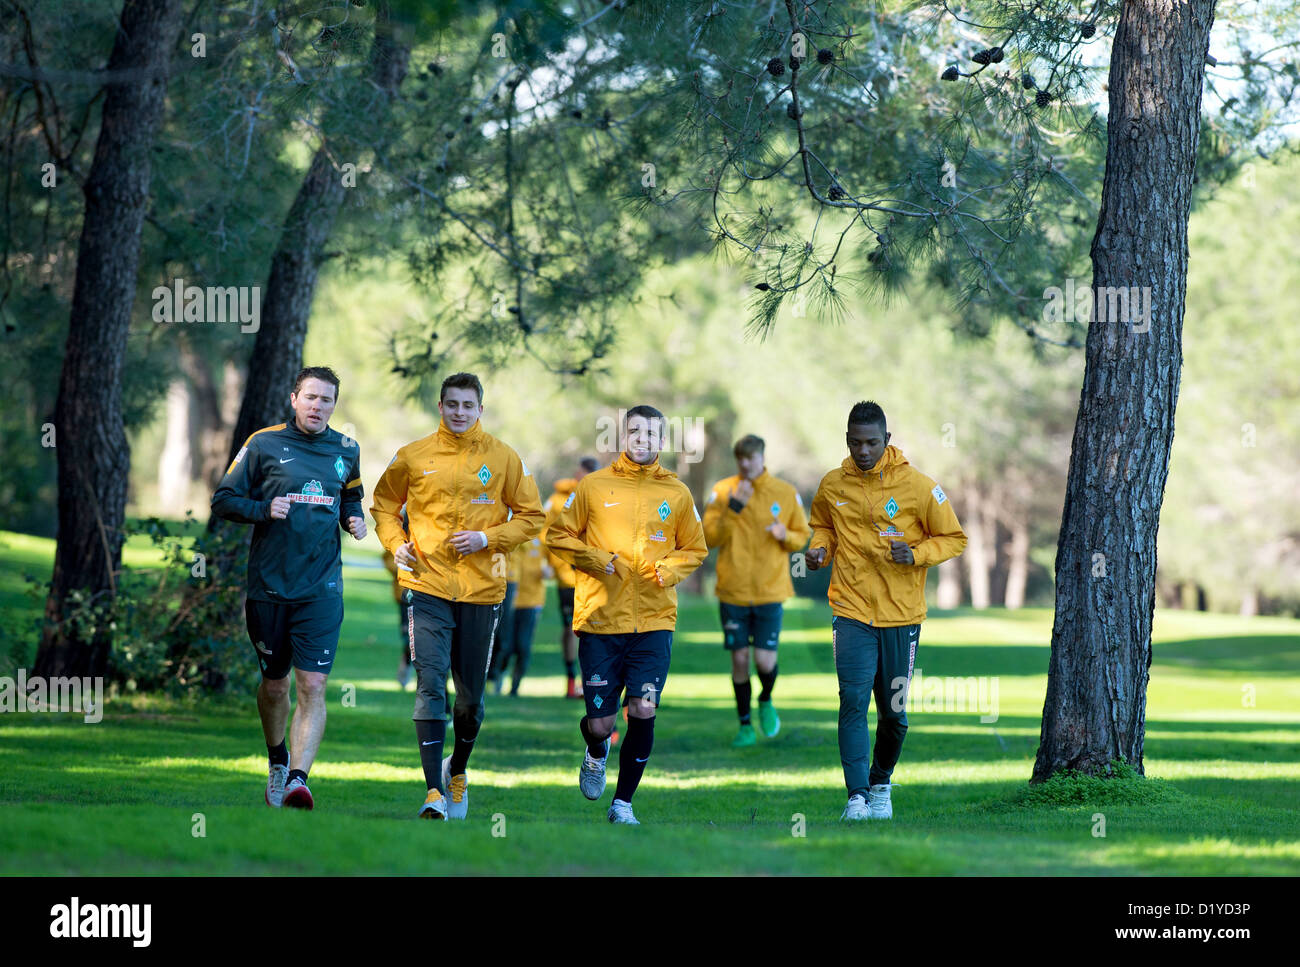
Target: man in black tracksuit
(298, 483)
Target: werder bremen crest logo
(312, 493)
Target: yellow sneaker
(435, 806)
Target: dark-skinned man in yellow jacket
(632, 532)
(756, 522)
(470, 501)
(882, 523)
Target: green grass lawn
(125, 796)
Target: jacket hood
(892, 459)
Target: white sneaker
(435, 806)
(457, 791)
(275, 781)
(297, 795)
(591, 777)
(856, 809)
(879, 804)
(620, 813)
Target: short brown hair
(461, 381)
(647, 411)
(749, 445)
(323, 373)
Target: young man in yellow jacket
(632, 532)
(565, 578)
(756, 521)
(528, 566)
(470, 501)
(882, 524)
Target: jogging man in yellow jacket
(882, 523)
(632, 532)
(470, 501)
(528, 565)
(756, 521)
(565, 578)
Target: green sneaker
(768, 718)
(744, 738)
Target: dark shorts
(610, 663)
(304, 634)
(450, 636)
(566, 606)
(759, 625)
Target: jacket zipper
(636, 553)
(455, 570)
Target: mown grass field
(125, 796)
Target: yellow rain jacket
(646, 516)
(565, 576)
(856, 515)
(449, 483)
(753, 566)
(527, 561)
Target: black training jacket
(297, 558)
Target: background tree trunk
(1095, 707)
(210, 427)
(1017, 562)
(978, 557)
(93, 453)
(175, 462)
(948, 595)
(291, 285)
(1249, 603)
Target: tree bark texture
(91, 444)
(1095, 708)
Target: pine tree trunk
(948, 595)
(211, 433)
(93, 453)
(1106, 555)
(1249, 603)
(291, 285)
(1017, 563)
(978, 557)
(175, 462)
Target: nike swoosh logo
(322, 663)
(614, 504)
(290, 460)
(646, 759)
(840, 503)
(427, 472)
(434, 742)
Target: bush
(177, 627)
(1073, 788)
